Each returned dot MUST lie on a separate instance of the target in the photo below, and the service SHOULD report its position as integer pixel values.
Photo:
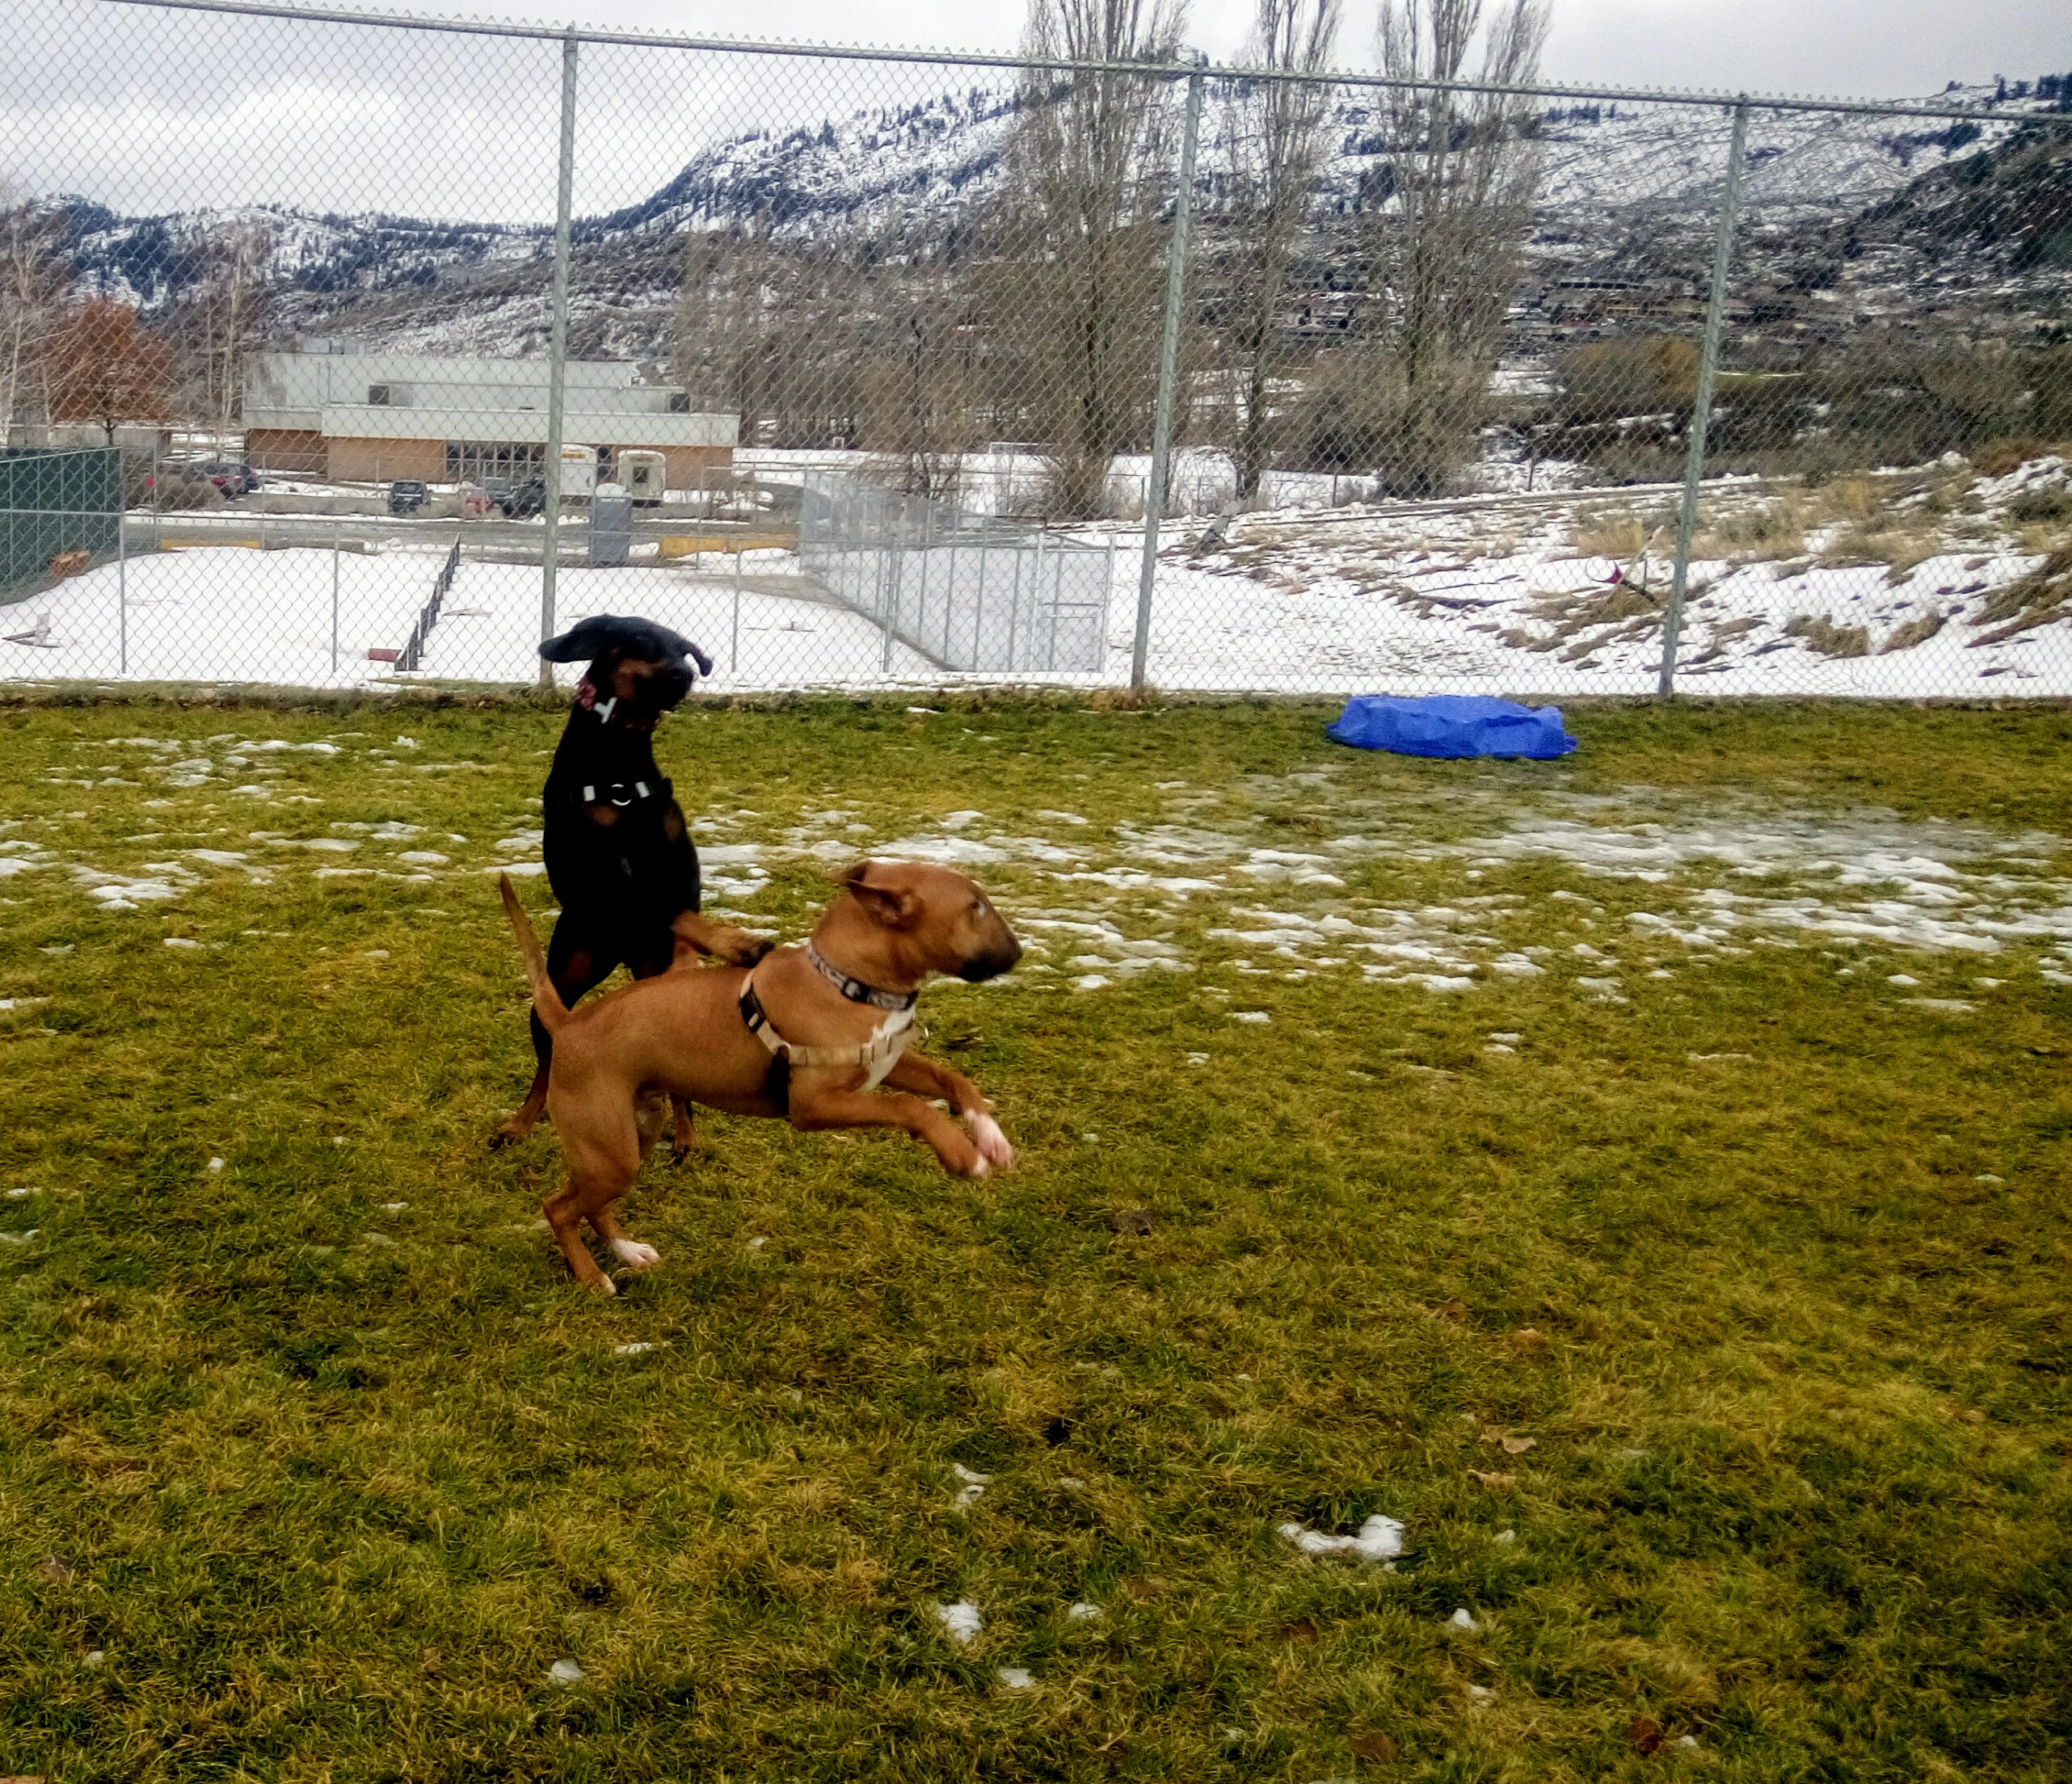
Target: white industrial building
(336, 410)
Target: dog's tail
(545, 998)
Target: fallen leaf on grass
(1373, 1749)
(1647, 1738)
(1495, 1482)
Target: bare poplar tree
(220, 317)
(768, 331)
(1275, 138)
(34, 281)
(724, 350)
(1086, 196)
(1457, 192)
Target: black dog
(618, 853)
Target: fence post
(122, 564)
(1701, 406)
(337, 532)
(557, 354)
(1168, 362)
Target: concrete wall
(527, 426)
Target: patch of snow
(1380, 1539)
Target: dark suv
(407, 495)
(523, 501)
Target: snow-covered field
(1950, 598)
(221, 614)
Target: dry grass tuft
(1829, 639)
(1914, 631)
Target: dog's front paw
(992, 1144)
(737, 948)
(960, 1157)
(636, 1255)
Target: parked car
(407, 495)
(523, 501)
(232, 477)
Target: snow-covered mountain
(1627, 193)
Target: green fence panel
(55, 502)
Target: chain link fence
(869, 370)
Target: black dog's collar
(637, 790)
(620, 794)
(855, 990)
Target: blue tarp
(1451, 724)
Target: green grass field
(1710, 1342)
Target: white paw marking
(990, 1142)
(636, 1255)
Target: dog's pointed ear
(889, 904)
(583, 642)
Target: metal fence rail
(1090, 364)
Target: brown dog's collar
(855, 990)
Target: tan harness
(877, 1056)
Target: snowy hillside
(1616, 181)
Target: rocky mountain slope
(1627, 194)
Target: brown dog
(806, 1036)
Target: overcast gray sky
(1870, 49)
(147, 110)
